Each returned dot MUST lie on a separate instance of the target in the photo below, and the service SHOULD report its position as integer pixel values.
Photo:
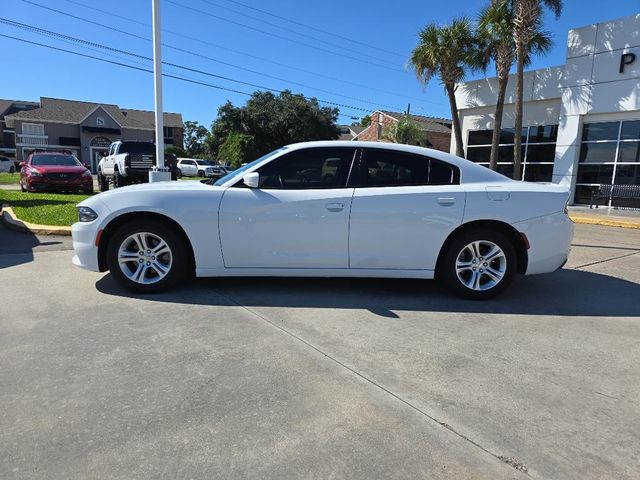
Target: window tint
(385, 168)
(66, 160)
(600, 131)
(308, 169)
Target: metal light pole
(159, 173)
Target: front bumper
(550, 242)
(84, 244)
(43, 184)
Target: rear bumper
(550, 242)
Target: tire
(119, 180)
(467, 272)
(22, 189)
(12, 169)
(132, 274)
(201, 173)
(103, 182)
(178, 174)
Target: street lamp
(158, 173)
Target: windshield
(64, 160)
(137, 147)
(241, 170)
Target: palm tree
(445, 51)
(405, 131)
(526, 20)
(495, 36)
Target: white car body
(389, 231)
(6, 165)
(194, 167)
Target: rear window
(137, 147)
(69, 160)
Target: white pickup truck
(129, 162)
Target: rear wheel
(12, 169)
(147, 256)
(478, 264)
(119, 180)
(200, 173)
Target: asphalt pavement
(320, 378)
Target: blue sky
(378, 80)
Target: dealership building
(581, 120)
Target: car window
(388, 168)
(66, 160)
(308, 169)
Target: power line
(50, 33)
(222, 47)
(142, 57)
(212, 59)
(282, 37)
(295, 32)
(306, 25)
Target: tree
(526, 21)
(237, 149)
(495, 37)
(365, 121)
(194, 138)
(177, 151)
(445, 51)
(403, 131)
(274, 121)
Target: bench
(615, 192)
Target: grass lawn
(9, 178)
(43, 208)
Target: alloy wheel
(145, 258)
(481, 265)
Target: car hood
(59, 168)
(141, 188)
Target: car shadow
(563, 293)
(16, 247)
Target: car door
(404, 207)
(296, 218)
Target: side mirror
(85, 165)
(22, 164)
(251, 180)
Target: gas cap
(497, 193)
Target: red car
(54, 171)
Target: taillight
(127, 160)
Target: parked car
(195, 167)
(129, 162)
(7, 165)
(389, 211)
(54, 171)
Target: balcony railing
(32, 140)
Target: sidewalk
(605, 216)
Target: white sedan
(341, 209)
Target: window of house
(538, 151)
(33, 129)
(387, 168)
(308, 169)
(609, 154)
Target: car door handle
(335, 207)
(446, 201)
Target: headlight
(35, 173)
(87, 173)
(85, 214)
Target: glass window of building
(609, 154)
(538, 151)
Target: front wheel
(478, 264)
(103, 182)
(147, 256)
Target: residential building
(436, 131)
(85, 128)
(349, 132)
(7, 134)
(581, 119)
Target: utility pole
(159, 173)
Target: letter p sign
(626, 59)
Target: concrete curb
(11, 221)
(606, 222)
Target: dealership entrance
(99, 147)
